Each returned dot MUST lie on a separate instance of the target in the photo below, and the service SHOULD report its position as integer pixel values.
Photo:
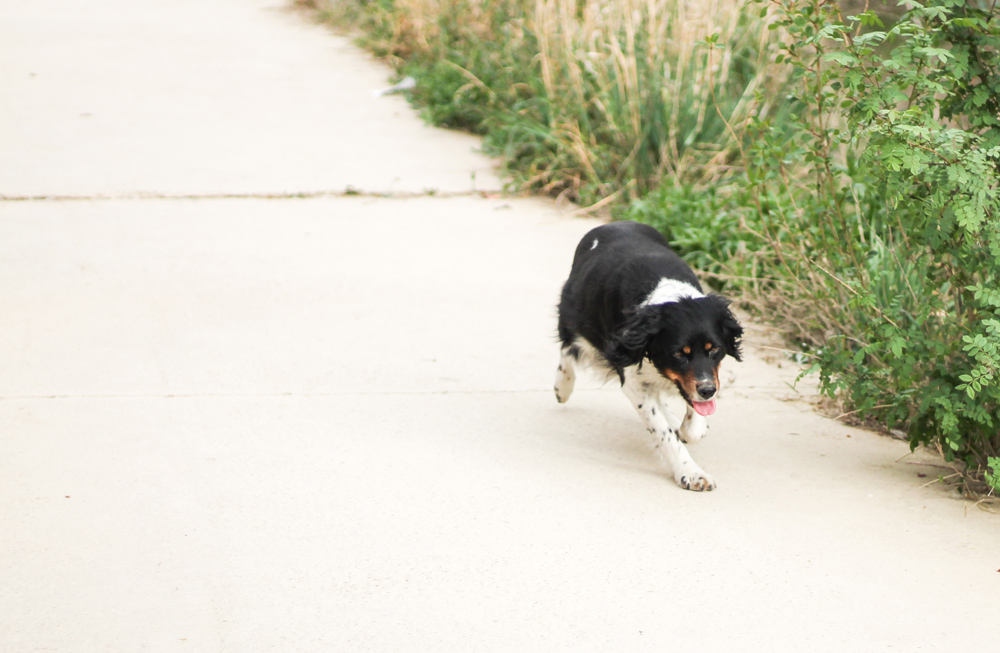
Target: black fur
(602, 303)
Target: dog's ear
(728, 326)
(628, 345)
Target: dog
(632, 309)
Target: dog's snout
(707, 390)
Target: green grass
(600, 103)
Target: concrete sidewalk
(232, 419)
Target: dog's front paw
(697, 482)
(694, 431)
(694, 428)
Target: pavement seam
(267, 395)
(347, 192)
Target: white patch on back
(671, 290)
(594, 246)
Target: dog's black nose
(707, 390)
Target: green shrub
(883, 202)
(993, 479)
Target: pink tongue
(704, 408)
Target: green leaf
(843, 58)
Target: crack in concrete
(281, 395)
(283, 195)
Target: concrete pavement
(245, 421)
(193, 97)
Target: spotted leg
(687, 473)
(695, 426)
(565, 376)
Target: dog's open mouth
(704, 408)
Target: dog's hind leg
(686, 471)
(566, 374)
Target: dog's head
(685, 340)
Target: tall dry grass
(599, 102)
(640, 81)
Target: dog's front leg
(695, 426)
(686, 471)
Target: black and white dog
(632, 308)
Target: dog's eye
(679, 355)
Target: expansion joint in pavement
(264, 195)
(270, 395)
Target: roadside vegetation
(835, 166)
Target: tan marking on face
(690, 384)
(687, 350)
(708, 346)
(672, 375)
